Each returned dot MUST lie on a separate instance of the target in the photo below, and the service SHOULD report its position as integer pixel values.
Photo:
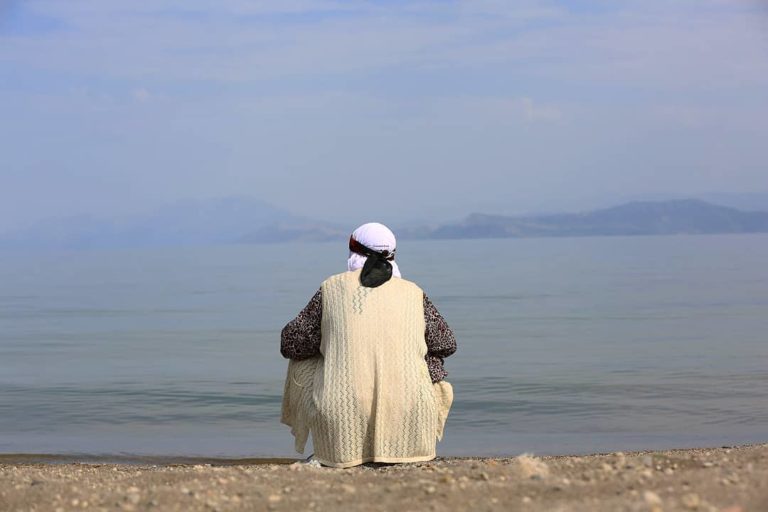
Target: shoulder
(341, 277)
(354, 277)
(405, 284)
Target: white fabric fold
(375, 236)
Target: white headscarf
(377, 237)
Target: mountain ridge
(686, 216)
(246, 220)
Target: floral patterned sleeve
(300, 338)
(441, 342)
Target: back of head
(372, 247)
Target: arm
(441, 342)
(300, 338)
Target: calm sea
(566, 345)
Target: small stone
(349, 489)
(669, 471)
(531, 467)
(647, 461)
(651, 498)
(274, 498)
(691, 501)
(526, 499)
(484, 476)
(430, 489)
(133, 498)
(707, 464)
(75, 502)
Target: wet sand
(720, 479)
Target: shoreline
(191, 460)
(730, 479)
(138, 460)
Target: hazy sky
(378, 109)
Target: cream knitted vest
(372, 398)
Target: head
(372, 247)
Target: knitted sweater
(369, 397)
(300, 338)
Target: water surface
(566, 345)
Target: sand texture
(722, 479)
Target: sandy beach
(719, 479)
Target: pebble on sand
(651, 498)
(530, 467)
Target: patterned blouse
(300, 338)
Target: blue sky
(389, 110)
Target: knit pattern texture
(300, 338)
(369, 395)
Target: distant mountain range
(688, 216)
(249, 220)
(745, 201)
(238, 219)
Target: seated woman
(366, 374)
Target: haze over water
(565, 345)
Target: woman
(366, 374)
